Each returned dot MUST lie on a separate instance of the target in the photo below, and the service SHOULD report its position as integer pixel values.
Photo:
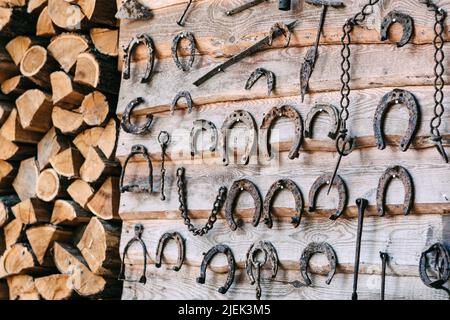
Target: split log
(16, 21)
(66, 121)
(17, 48)
(32, 211)
(7, 66)
(14, 232)
(108, 140)
(13, 131)
(106, 41)
(5, 111)
(87, 139)
(6, 203)
(69, 213)
(16, 86)
(22, 287)
(67, 163)
(106, 201)
(81, 192)
(50, 145)
(95, 109)
(7, 174)
(25, 182)
(51, 186)
(18, 259)
(12, 3)
(35, 111)
(101, 12)
(38, 65)
(44, 25)
(66, 47)
(96, 167)
(15, 151)
(54, 287)
(36, 5)
(66, 93)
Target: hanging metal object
(138, 230)
(258, 73)
(331, 111)
(166, 237)
(140, 39)
(405, 20)
(180, 22)
(201, 125)
(133, 10)
(129, 127)
(163, 139)
(243, 7)
(146, 187)
(317, 248)
(284, 5)
(192, 47)
(186, 96)
(437, 257)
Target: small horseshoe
(312, 249)
(183, 94)
(235, 117)
(220, 248)
(397, 96)
(405, 20)
(237, 187)
(338, 183)
(269, 119)
(138, 230)
(136, 150)
(126, 124)
(332, 113)
(442, 266)
(176, 42)
(258, 73)
(269, 253)
(285, 31)
(399, 173)
(145, 39)
(203, 125)
(274, 189)
(161, 245)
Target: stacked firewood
(59, 190)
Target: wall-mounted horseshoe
(161, 245)
(176, 42)
(316, 248)
(406, 22)
(145, 39)
(280, 26)
(392, 173)
(332, 113)
(183, 94)
(220, 248)
(148, 187)
(339, 184)
(238, 187)
(138, 230)
(397, 96)
(274, 189)
(441, 258)
(235, 117)
(203, 125)
(258, 73)
(126, 124)
(267, 123)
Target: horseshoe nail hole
(328, 182)
(394, 20)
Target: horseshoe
(339, 184)
(268, 121)
(220, 248)
(397, 96)
(315, 248)
(136, 150)
(405, 20)
(145, 39)
(126, 124)
(183, 94)
(258, 73)
(235, 117)
(332, 113)
(280, 26)
(399, 173)
(176, 42)
(203, 125)
(274, 189)
(236, 188)
(161, 245)
(138, 230)
(441, 265)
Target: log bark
(5, 111)
(35, 111)
(16, 21)
(54, 287)
(106, 201)
(95, 109)
(7, 174)
(15, 151)
(12, 3)
(66, 93)
(6, 203)
(87, 139)
(96, 167)
(16, 86)
(50, 145)
(32, 211)
(13, 131)
(108, 140)
(106, 41)
(38, 65)
(101, 12)
(44, 25)
(25, 182)
(8, 68)
(22, 287)
(66, 47)
(81, 192)
(69, 213)
(50, 186)
(67, 121)
(14, 232)
(68, 163)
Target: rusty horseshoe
(280, 26)
(405, 20)
(138, 230)
(175, 44)
(397, 96)
(126, 124)
(316, 248)
(148, 187)
(182, 94)
(180, 245)
(332, 113)
(441, 258)
(203, 125)
(258, 73)
(145, 39)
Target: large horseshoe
(235, 117)
(183, 94)
(269, 253)
(258, 73)
(180, 245)
(441, 266)
(238, 187)
(397, 96)
(145, 39)
(274, 189)
(332, 113)
(399, 173)
(138, 230)
(267, 123)
(220, 248)
(136, 150)
(315, 248)
(176, 42)
(126, 124)
(280, 26)
(338, 183)
(203, 125)
(406, 22)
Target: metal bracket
(399, 173)
(258, 73)
(192, 47)
(145, 39)
(203, 125)
(405, 20)
(126, 124)
(315, 248)
(397, 96)
(161, 245)
(138, 230)
(183, 94)
(220, 248)
(236, 188)
(136, 150)
(339, 184)
(441, 266)
(332, 113)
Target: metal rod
(181, 22)
(243, 7)
(362, 205)
(384, 258)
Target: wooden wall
(377, 68)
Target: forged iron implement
(175, 44)
(395, 172)
(237, 187)
(332, 113)
(126, 124)
(243, 7)
(163, 139)
(185, 95)
(246, 118)
(405, 20)
(166, 237)
(397, 96)
(148, 187)
(438, 254)
(362, 206)
(220, 248)
(311, 56)
(284, 5)
(269, 119)
(384, 259)
(133, 10)
(342, 193)
(180, 22)
(258, 73)
(270, 197)
(253, 264)
(138, 230)
(267, 41)
(140, 39)
(317, 248)
(200, 126)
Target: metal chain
(163, 139)
(218, 203)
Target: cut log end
(105, 203)
(22, 287)
(54, 287)
(67, 212)
(87, 70)
(81, 192)
(48, 186)
(66, 47)
(33, 61)
(95, 109)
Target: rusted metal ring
(203, 125)
(315, 248)
(257, 74)
(137, 150)
(332, 113)
(126, 124)
(147, 40)
(180, 245)
(441, 265)
(138, 231)
(405, 20)
(183, 94)
(269, 254)
(176, 42)
(280, 26)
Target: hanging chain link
(218, 203)
(163, 140)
